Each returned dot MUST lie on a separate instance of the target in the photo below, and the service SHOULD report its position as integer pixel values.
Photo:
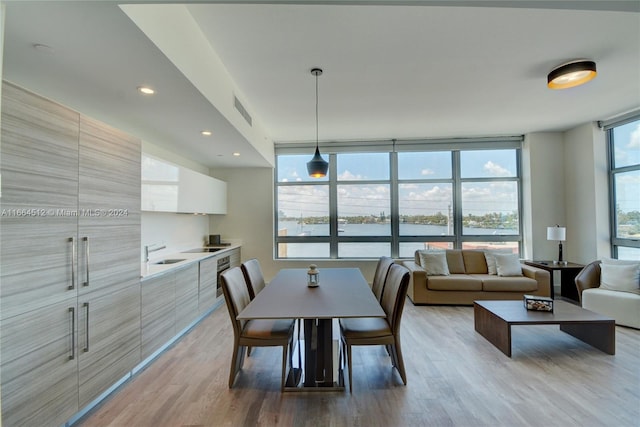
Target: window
(624, 182)
(392, 199)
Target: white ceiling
(411, 70)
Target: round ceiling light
(146, 90)
(574, 73)
(206, 133)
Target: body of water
(372, 249)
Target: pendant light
(571, 74)
(317, 166)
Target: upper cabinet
(171, 188)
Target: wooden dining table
(342, 293)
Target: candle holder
(313, 276)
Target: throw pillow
(435, 263)
(508, 264)
(491, 263)
(620, 276)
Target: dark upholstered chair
(379, 330)
(380, 276)
(253, 276)
(255, 332)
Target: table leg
(496, 330)
(601, 335)
(310, 352)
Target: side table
(568, 273)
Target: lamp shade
(556, 233)
(317, 166)
(571, 74)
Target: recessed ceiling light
(236, 154)
(146, 90)
(206, 133)
(574, 73)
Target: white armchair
(621, 305)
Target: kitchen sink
(169, 261)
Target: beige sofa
(469, 280)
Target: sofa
(607, 295)
(466, 278)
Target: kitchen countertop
(149, 269)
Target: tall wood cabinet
(70, 242)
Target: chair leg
(399, 362)
(248, 351)
(284, 366)
(237, 360)
(349, 365)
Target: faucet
(147, 250)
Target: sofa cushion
(508, 264)
(455, 261)
(454, 282)
(624, 307)
(618, 275)
(491, 283)
(491, 263)
(434, 263)
(474, 262)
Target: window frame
(457, 239)
(615, 241)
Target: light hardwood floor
(455, 378)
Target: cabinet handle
(72, 312)
(86, 346)
(73, 263)
(86, 260)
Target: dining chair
(253, 276)
(254, 332)
(380, 276)
(255, 281)
(380, 330)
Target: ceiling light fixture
(206, 133)
(236, 154)
(574, 73)
(317, 166)
(145, 90)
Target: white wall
(586, 189)
(543, 159)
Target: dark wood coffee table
(493, 320)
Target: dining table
(342, 293)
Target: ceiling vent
(242, 110)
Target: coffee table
(493, 320)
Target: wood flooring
(455, 378)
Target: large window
(394, 199)
(624, 180)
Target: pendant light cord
(316, 110)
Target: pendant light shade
(317, 166)
(571, 74)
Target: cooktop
(201, 250)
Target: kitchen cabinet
(108, 340)
(39, 366)
(207, 285)
(186, 289)
(169, 304)
(171, 188)
(157, 312)
(69, 229)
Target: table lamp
(557, 233)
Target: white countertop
(150, 269)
